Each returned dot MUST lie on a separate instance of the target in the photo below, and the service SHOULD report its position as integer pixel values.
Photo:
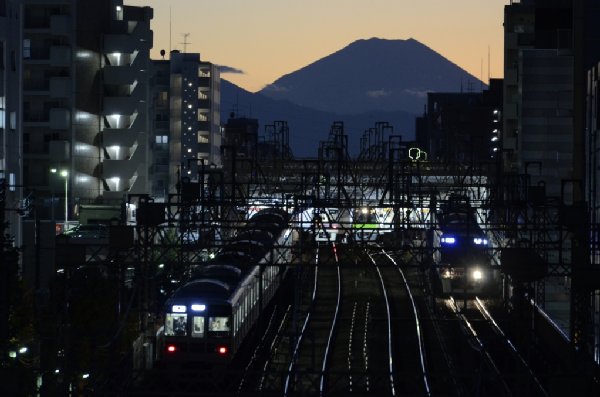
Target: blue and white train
(462, 263)
(207, 319)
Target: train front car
(207, 319)
(198, 322)
(462, 260)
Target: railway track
(309, 360)
(503, 371)
(405, 347)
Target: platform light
(198, 308)
(85, 376)
(23, 350)
(57, 371)
(477, 274)
(12, 354)
(179, 309)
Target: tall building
(10, 124)
(186, 119)
(462, 127)
(539, 101)
(85, 101)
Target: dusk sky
(265, 39)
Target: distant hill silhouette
(373, 74)
(365, 82)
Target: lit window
(162, 139)
(219, 325)
(26, 48)
(176, 324)
(198, 327)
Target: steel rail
(389, 326)
(294, 357)
(259, 345)
(274, 342)
(417, 323)
(482, 348)
(484, 312)
(333, 325)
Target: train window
(176, 324)
(219, 325)
(198, 327)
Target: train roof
(205, 289)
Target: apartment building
(186, 120)
(85, 105)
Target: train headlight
(171, 348)
(477, 275)
(448, 240)
(222, 350)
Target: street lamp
(64, 174)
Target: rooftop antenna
(185, 42)
(170, 30)
(481, 76)
(488, 63)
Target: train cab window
(218, 326)
(176, 324)
(198, 327)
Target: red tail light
(222, 350)
(171, 348)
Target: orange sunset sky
(266, 39)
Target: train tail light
(171, 348)
(222, 350)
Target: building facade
(186, 120)
(538, 124)
(10, 124)
(85, 101)
(462, 127)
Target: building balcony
(60, 25)
(60, 119)
(204, 148)
(204, 81)
(119, 137)
(119, 105)
(60, 87)
(36, 87)
(204, 125)
(35, 23)
(119, 75)
(60, 56)
(36, 118)
(38, 55)
(203, 104)
(119, 172)
(120, 43)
